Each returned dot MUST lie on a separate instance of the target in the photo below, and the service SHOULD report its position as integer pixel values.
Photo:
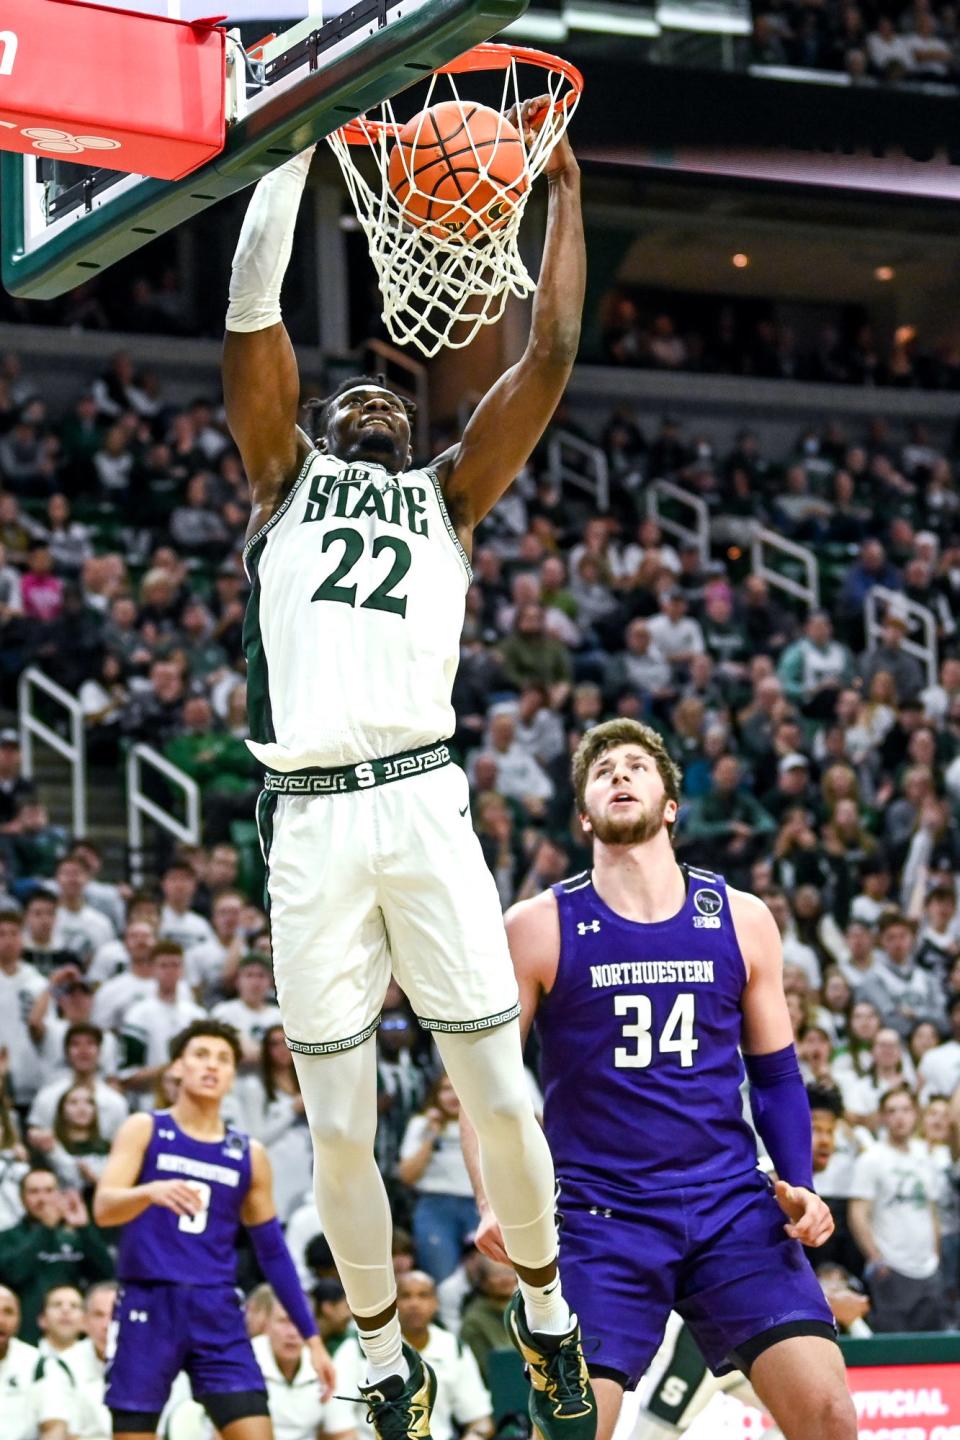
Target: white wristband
(263, 250)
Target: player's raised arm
(261, 383)
(778, 1097)
(118, 1197)
(513, 415)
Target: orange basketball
(454, 163)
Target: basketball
(458, 168)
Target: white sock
(546, 1311)
(383, 1349)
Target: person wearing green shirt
(728, 824)
(54, 1244)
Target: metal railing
(415, 386)
(594, 477)
(808, 591)
(140, 805)
(879, 602)
(73, 750)
(697, 532)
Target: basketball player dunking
(181, 1183)
(359, 566)
(646, 980)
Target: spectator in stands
(20, 984)
(639, 667)
(31, 1404)
(676, 635)
(12, 784)
(939, 1070)
(275, 1115)
(889, 656)
(54, 1244)
(901, 991)
(530, 656)
(893, 1220)
(78, 926)
(178, 920)
(294, 1395)
(815, 668)
(212, 963)
(251, 1013)
(518, 775)
(728, 822)
(431, 1162)
(151, 1023)
(402, 1082)
(82, 1045)
(889, 54)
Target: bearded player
(646, 980)
(359, 565)
(181, 1183)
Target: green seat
(252, 874)
(507, 1383)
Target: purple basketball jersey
(188, 1249)
(639, 1036)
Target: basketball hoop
(447, 267)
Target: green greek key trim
(449, 524)
(332, 1047)
(347, 779)
(463, 1027)
(281, 510)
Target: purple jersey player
(646, 981)
(181, 1183)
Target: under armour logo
(601, 1210)
(583, 927)
(167, 1135)
(140, 1316)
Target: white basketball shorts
(381, 880)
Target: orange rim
(487, 56)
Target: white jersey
(352, 632)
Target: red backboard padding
(109, 88)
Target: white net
(443, 237)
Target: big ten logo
(8, 51)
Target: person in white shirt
(674, 633)
(32, 1404)
(890, 1066)
(463, 1401)
(20, 984)
(81, 1049)
(72, 995)
(275, 1116)
(431, 1161)
(893, 1219)
(150, 1024)
(177, 920)
(117, 957)
(61, 1321)
(86, 1359)
(939, 1072)
(78, 926)
(101, 895)
(294, 1396)
(212, 964)
(250, 1013)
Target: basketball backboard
(63, 223)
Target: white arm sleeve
(263, 250)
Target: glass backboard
(62, 223)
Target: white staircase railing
(73, 750)
(697, 531)
(880, 600)
(808, 591)
(139, 805)
(415, 384)
(594, 478)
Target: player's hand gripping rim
(809, 1217)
